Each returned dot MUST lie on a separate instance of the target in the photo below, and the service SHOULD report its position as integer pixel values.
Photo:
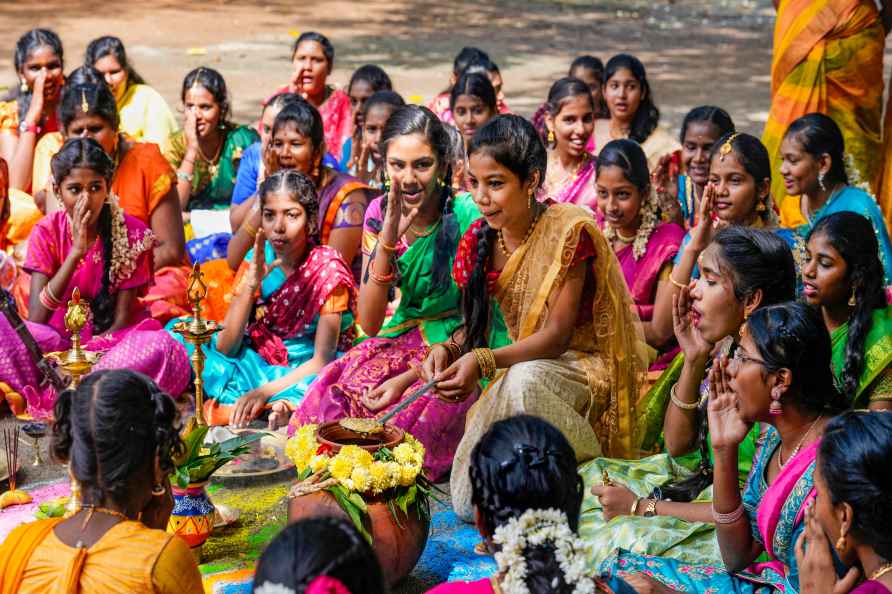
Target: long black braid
(88, 154)
(852, 235)
(513, 143)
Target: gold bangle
(635, 504)
(387, 248)
(675, 282)
(673, 396)
(250, 229)
(486, 361)
(453, 349)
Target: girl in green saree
(843, 276)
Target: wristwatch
(651, 509)
(26, 127)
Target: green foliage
(197, 464)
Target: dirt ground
(696, 51)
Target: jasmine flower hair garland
(538, 527)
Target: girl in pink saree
(94, 247)
(779, 375)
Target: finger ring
(605, 478)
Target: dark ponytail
(87, 153)
(852, 236)
(513, 143)
(524, 463)
(793, 336)
(109, 430)
(854, 459)
(318, 547)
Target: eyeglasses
(740, 357)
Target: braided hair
(524, 463)
(28, 43)
(793, 336)
(853, 237)
(413, 119)
(513, 143)
(854, 460)
(316, 547)
(88, 154)
(109, 430)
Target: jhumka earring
(821, 182)
(551, 137)
(852, 302)
(761, 206)
(775, 408)
(742, 331)
(316, 168)
(386, 183)
(23, 87)
(840, 545)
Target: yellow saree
(590, 392)
(828, 58)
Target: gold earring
(551, 137)
(761, 206)
(841, 544)
(742, 331)
(852, 302)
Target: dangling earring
(852, 302)
(821, 182)
(761, 206)
(742, 331)
(23, 87)
(386, 184)
(532, 194)
(316, 168)
(840, 545)
(551, 137)
(158, 490)
(775, 408)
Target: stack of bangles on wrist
(673, 395)
(486, 361)
(453, 349)
(48, 300)
(728, 518)
(385, 280)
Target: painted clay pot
(192, 518)
(398, 546)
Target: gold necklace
(504, 247)
(424, 232)
(93, 509)
(883, 570)
(780, 450)
(625, 238)
(213, 164)
(568, 179)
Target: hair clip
(85, 106)
(726, 148)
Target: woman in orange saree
(828, 58)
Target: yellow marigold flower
(340, 467)
(359, 456)
(393, 474)
(408, 474)
(300, 449)
(318, 463)
(403, 453)
(362, 479)
(379, 475)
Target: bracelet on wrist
(387, 248)
(729, 518)
(385, 280)
(673, 396)
(486, 361)
(634, 510)
(186, 177)
(675, 282)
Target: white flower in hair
(535, 528)
(271, 588)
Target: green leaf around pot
(356, 513)
(198, 463)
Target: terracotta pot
(398, 547)
(192, 518)
(335, 436)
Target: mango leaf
(356, 516)
(357, 500)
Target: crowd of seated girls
(637, 379)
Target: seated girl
(549, 271)
(119, 434)
(644, 246)
(322, 555)
(95, 247)
(472, 103)
(680, 193)
(409, 243)
(743, 270)
(843, 276)
(779, 375)
(144, 114)
(633, 112)
(569, 119)
(526, 496)
(30, 111)
(369, 165)
(468, 58)
(814, 169)
(270, 350)
(206, 155)
(365, 82)
(850, 514)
